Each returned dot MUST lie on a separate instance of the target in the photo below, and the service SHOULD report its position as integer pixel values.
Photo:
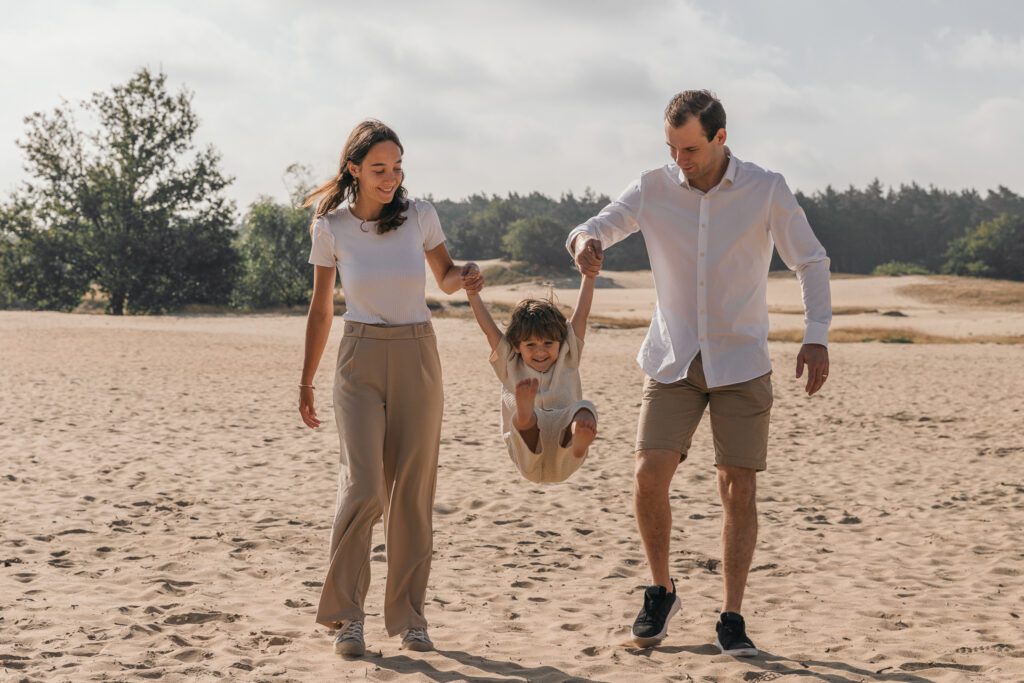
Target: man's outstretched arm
(614, 223)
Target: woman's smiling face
(380, 174)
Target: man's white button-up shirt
(710, 254)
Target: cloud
(985, 51)
(534, 95)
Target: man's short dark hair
(700, 103)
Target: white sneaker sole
(652, 641)
(738, 652)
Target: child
(546, 424)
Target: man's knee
(653, 472)
(737, 484)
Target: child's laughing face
(539, 354)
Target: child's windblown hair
(538, 318)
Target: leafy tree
(464, 238)
(539, 242)
(274, 245)
(862, 229)
(131, 202)
(35, 269)
(489, 225)
(994, 248)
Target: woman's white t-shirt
(383, 276)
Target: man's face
(689, 147)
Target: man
(710, 222)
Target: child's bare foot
(526, 392)
(584, 431)
(525, 419)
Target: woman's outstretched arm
(318, 328)
(450, 277)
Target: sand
(165, 515)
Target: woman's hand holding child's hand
(472, 278)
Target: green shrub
(274, 246)
(994, 248)
(900, 268)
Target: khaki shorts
(670, 413)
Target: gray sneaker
(416, 639)
(349, 639)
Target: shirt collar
(730, 171)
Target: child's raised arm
(484, 319)
(582, 310)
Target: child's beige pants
(388, 401)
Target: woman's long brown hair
(344, 187)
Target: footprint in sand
(277, 641)
(921, 666)
(199, 618)
(172, 587)
(13, 661)
(998, 647)
(192, 655)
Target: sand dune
(858, 302)
(165, 516)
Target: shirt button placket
(702, 291)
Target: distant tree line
(933, 230)
(131, 208)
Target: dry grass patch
(506, 275)
(607, 322)
(892, 335)
(502, 312)
(836, 310)
(789, 274)
(968, 291)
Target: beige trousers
(388, 402)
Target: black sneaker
(732, 636)
(651, 625)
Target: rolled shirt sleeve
(617, 221)
(802, 252)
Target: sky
(548, 95)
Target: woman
(388, 397)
